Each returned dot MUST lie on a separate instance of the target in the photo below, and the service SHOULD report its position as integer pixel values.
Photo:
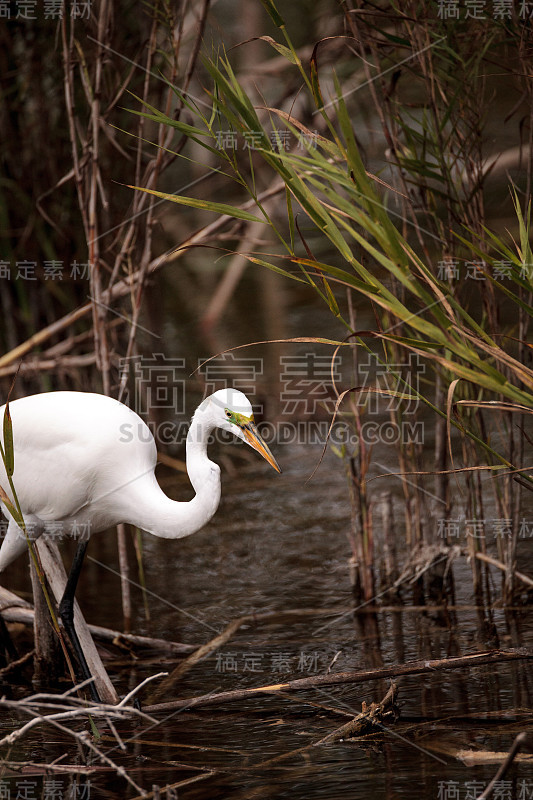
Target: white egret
(85, 462)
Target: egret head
(232, 411)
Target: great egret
(85, 462)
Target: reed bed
(406, 240)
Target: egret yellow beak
(253, 438)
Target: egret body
(85, 462)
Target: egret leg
(66, 611)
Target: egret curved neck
(156, 513)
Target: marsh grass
(437, 174)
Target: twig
(411, 668)
(500, 565)
(100, 710)
(18, 663)
(134, 691)
(44, 364)
(367, 718)
(46, 769)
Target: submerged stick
(368, 718)
(411, 668)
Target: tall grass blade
(9, 452)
